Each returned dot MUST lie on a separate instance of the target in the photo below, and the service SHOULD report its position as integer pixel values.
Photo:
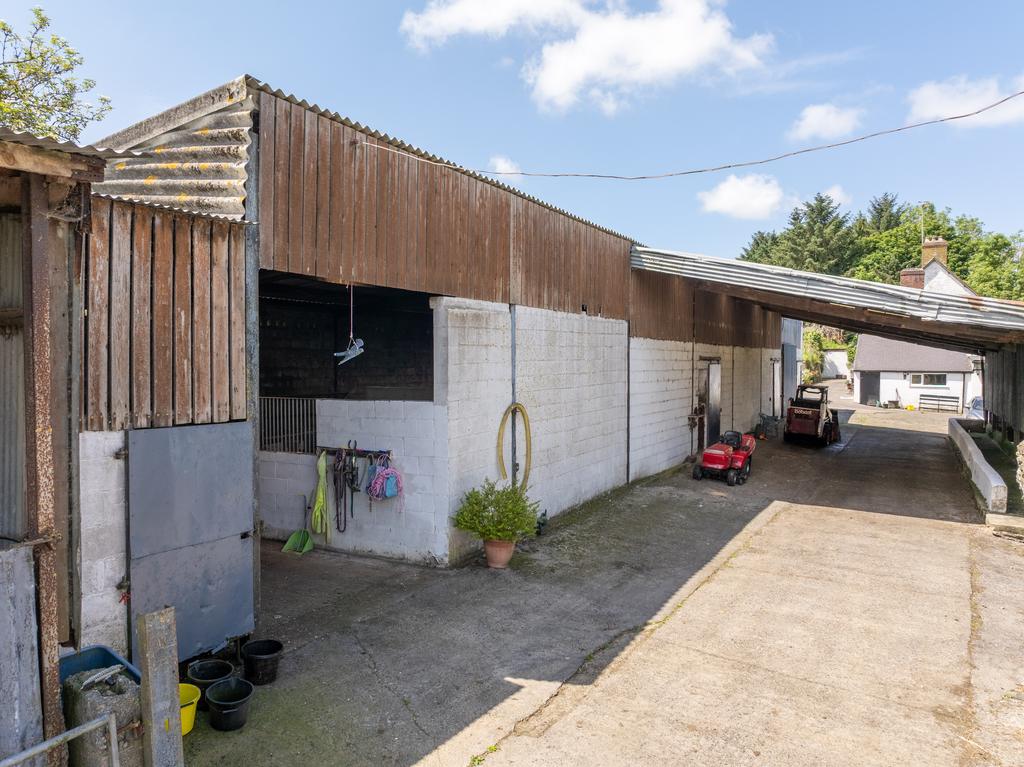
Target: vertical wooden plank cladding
(385, 213)
(336, 213)
(296, 184)
(202, 381)
(142, 303)
(515, 259)
(357, 255)
(268, 147)
(236, 327)
(282, 183)
(98, 316)
(220, 340)
(182, 319)
(163, 319)
(323, 265)
(348, 210)
(309, 189)
(366, 268)
(120, 315)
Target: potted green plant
(499, 516)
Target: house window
(927, 379)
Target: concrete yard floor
(842, 607)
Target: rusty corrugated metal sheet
(937, 309)
(12, 383)
(197, 167)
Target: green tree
(818, 238)
(884, 213)
(995, 269)
(39, 92)
(888, 252)
(886, 239)
(761, 248)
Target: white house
(887, 371)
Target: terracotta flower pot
(499, 553)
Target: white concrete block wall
(747, 386)
(285, 479)
(416, 528)
(102, 561)
(571, 376)
(473, 379)
(660, 402)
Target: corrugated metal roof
(879, 298)
(198, 166)
(68, 147)
(877, 354)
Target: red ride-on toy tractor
(727, 459)
(810, 418)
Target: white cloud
(840, 195)
(501, 164)
(602, 55)
(958, 95)
(442, 19)
(825, 121)
(753, 196)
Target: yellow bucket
(188, 696)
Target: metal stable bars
(288, 424)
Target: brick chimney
(934, 248)
(912, 278)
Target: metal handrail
(109, 720)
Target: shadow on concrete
(386, 663)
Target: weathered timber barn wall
(164, 318)
(163, 325)
(1003, 382)
(340, 204)
(605, 358)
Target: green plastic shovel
(300, 541)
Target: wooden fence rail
(164, 326)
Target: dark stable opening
(303, 322)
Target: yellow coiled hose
(501, 439)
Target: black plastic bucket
(203, 673)
(261, 657)
(229, 701)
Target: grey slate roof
(877, 354)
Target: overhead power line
(713, 168)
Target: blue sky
(621, 87)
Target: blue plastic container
(94, 656)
